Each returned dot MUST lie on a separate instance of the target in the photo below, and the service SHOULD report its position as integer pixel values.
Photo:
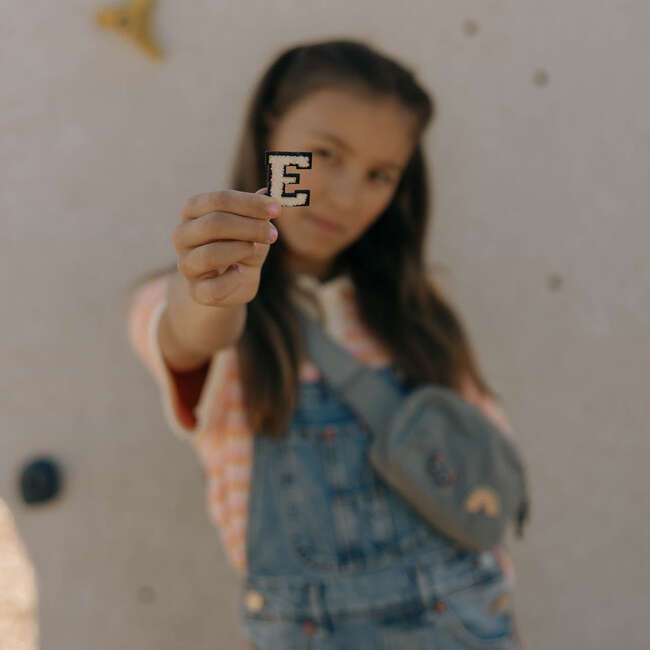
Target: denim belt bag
(433, 447)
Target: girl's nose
(344, 192)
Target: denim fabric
(337, 560)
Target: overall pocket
(480, 615)
(273, 634)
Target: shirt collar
(327, 294)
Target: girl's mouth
(324, 225)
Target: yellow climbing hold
(132, 21)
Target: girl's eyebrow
(344, 145)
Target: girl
(330, 556)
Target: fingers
(214, 290)
(215, 258)
(244, 203)
(219, 232)
(222, 226)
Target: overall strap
(373, 399)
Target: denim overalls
(339, 561)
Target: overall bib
(337, 560)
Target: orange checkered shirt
(217, 427)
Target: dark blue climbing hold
(40, 480)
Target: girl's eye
(385, 178)
(326, 152)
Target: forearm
(190, 333)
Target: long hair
(396, 298)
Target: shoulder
(437, 286)
(488, 405)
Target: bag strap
(373, 398)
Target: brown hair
(395, 296)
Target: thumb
(262, 190)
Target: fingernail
(274, 209)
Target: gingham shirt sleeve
(183, 394)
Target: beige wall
(540, 215)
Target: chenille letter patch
(277, 177)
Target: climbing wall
(112, 116)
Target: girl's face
(360, 147)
